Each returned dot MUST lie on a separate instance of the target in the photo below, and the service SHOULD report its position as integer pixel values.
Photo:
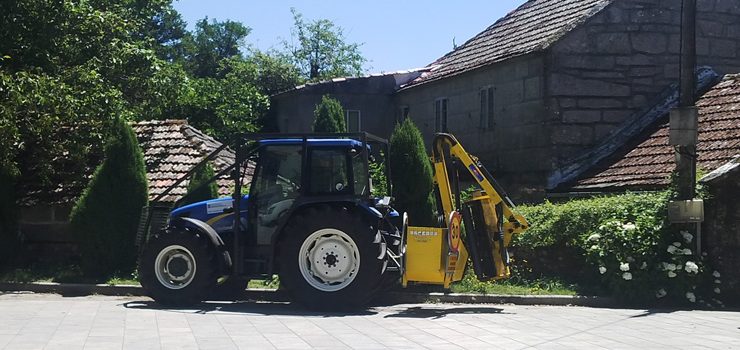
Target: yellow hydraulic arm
(489, 216)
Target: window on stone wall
(486, 107)
(352, 118)
(440, 115)
(403, 113)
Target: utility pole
(686, 212)
(684, 120)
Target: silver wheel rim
(329, 260)
(175, 267)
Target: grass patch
(514, 286)
(272, 283)
(60, 274)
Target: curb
(394, 297)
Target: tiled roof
(532, 27)
(171, 148)
(648, 162)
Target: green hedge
(621, 245)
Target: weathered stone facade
(722, 233)
(616, 63)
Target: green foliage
(329, 116)
(623, 243)
(411, 174)
(106, 216)
(275, 71)
(380, 182)
(198, 193)
(321, 50)
(211, 43)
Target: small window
(403, 113)
(352, 117)
(440, 115)
(486, 107)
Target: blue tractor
(309, 216)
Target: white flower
(627, 276)
(602, 270)
(624, 266)
(671, 274)
(629, 226)
(660, 293)
(679, 266)
(677, 244)
(717, 281)
(594, 237)
(716, 274)
(687, 236)
(671, 249)
(691, 297)
(594, 247)
(691, 267)
(643, 266)
(669, 267)
(687, 251)
(716, 290)
(630, 259)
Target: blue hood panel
(209, 209)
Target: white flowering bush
(623, 245)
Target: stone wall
(372, 96)
(722, 233)
(46, 235)
(617, 62)
(516, 147)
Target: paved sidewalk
(36, 321)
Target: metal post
(686, 151)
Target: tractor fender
(209, 232)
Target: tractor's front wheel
(329, 259)
(178, 268)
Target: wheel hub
(175, 267)
(329, 260)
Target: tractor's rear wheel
(329, 259)
(178, 268)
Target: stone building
(551, 80)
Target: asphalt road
(48, 321)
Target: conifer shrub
(105, 217)
(198, 193)
(411, 174)
(329, 116)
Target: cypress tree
(195, 194)
(329, 116)
(105, 217)
(411, 173)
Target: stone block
(533, 88)
(662, 28)
(600, 103)
(603, 131)
(674, 43)
(566, 85)
(613, 14)
(616, 116)
(709, 28)
(702, 47)
(652, 43)
(703, 5)
(727, 6)
(509, 93)
(638, 101)
(636, 60)
(567, 102)
(581, 116)
(723, 48)
(733, 31)
(652, 15)
(572, 135)
(614, 74)
(586, 61)
(613, 43)
(644, 71)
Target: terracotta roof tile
(649, 162)
(532, 27)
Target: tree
(211, 43)
(321, 51)
(328, 116)
(411, 174)
(275, 71)
(197, 192)
(105, 218)
(8, 217)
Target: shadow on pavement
(246, 307)
(436, 313)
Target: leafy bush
(411, 174)
(8, 217)
(621, 244)
(329, 116)
(106, 216)
(198, 193)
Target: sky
(395, 35)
